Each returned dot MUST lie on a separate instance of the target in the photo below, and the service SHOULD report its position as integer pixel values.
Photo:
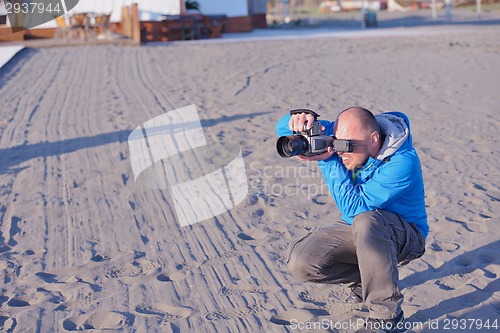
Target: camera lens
(292, 145)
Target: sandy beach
(84, 248)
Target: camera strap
(297, 111)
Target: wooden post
(183, 7)
(250, 6)
(136, 26)
(18, 23)
(126, 27)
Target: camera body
(311, 142)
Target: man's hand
(326, 155)
(298, 120)
(296, 124)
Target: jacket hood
(396, 128)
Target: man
(378, 188)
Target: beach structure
(158, 21)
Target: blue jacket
(391, 181)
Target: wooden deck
(50, 42)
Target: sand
(84, 248)
(8, 52)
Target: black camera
(311, 142)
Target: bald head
(360, 126)
(360, 118)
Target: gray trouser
(369, 251)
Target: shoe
(356, 295)
(395, 325)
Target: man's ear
(375, 137)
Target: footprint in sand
(47, 277)
(18, 302)
(306, 298)
(245, 237)
(164, 278)
(457, 281)
(285, 318)
(322, 295)
(301, 215)
(277, 257)
(468, 225)
(100, 321)
(99, 258)
(444, 246)
(173, 276)
(234, 313)
(15, 229)
(321, 199)
(189, 265)
(180, 271)
(124, 179)
(252, 235)
(246, 288)
(39, 296)
(43, 295)
(7, 324)
(299, 315)
(167, 312)
(259, 213)
(135, 268)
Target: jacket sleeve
(388, 182)
(282, 128)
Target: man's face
(349, 129)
